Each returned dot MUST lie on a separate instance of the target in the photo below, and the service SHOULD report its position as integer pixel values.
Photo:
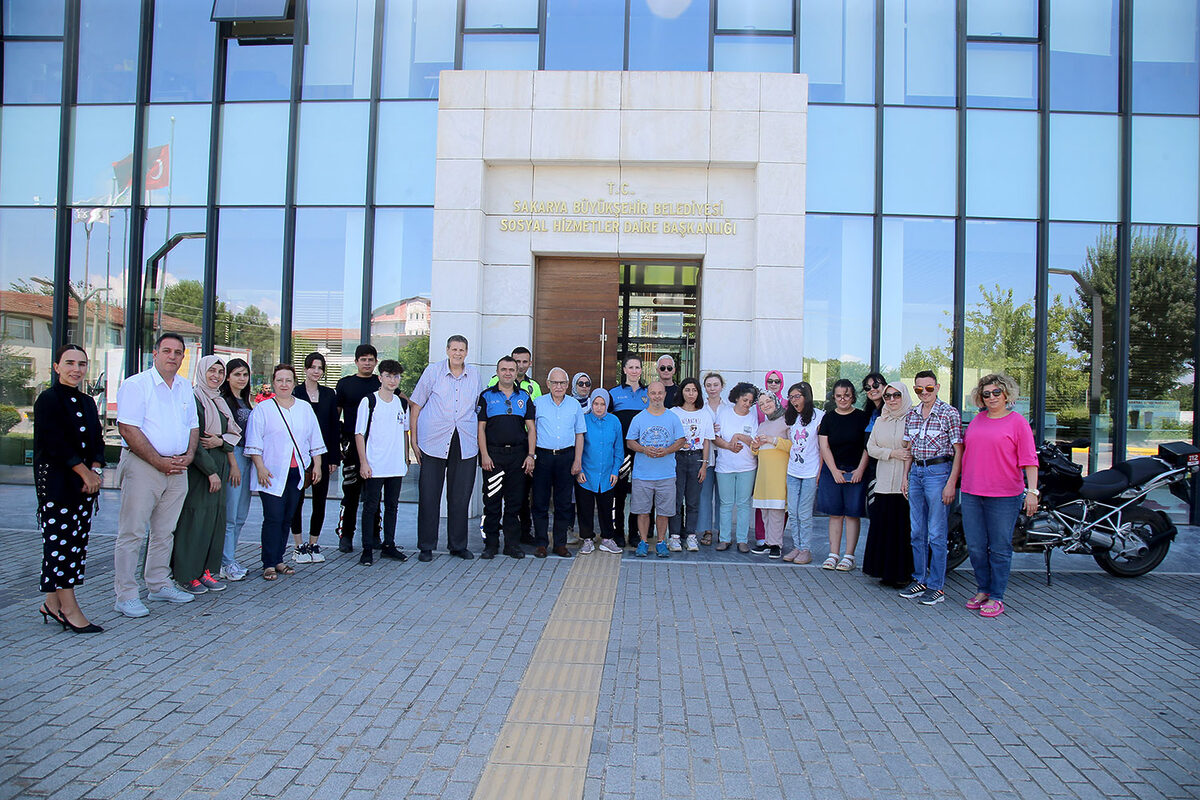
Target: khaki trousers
(148, 498)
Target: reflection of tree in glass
(414, 357)
(250, 329)
(16, 373)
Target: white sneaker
(314, 553)
(692, 545)
(673, 545)
(171, 594)
(609, 546)
(588, 547)
(233, 572)
(300, 555)
(133, 608)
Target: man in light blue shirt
(654, 435)
(557, 460)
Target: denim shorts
(840, 499)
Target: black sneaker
(914, 589)
(392, 552)
(366, 559)
(426, 555)
(932, 597)
(776, 552)
(514, 552)
(488, 554)
(344, 545)
(761, 549)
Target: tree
(185, 301)
(414, 357)
(252, 330)
(16, 373)
(1162, 309)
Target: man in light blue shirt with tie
(557, 460)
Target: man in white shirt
(380, 435)
(156, 415)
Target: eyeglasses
(795, 397)
(992, 393)
(891, 395)
(559, 383)
(665, 368)
(924, 389)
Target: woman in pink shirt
(999, 477)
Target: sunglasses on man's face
(924, 389)
(665, 368)
(991, 393)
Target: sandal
(284, 569)
(846, 564)
(976, 602)
(706, 539)
(992, 608)
(831, 562)
(269, 574)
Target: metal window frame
(287, 302)
(368, 266)
(62, 215)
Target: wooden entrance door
(572, 297)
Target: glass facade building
(991, 185)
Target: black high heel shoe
(91, 627)
(48, 615)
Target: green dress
(200, 534)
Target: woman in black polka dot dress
(68, 454)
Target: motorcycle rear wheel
(1146, 524)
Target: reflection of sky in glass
(1002, 163)
(253, 153)
(328, 269)
(837, 280)
(918, 52)
(918, 287)
(1166, 163)
(752, 53)
(182, 57)
(403, 254)
(1083, 55)
(417, 44)
(1002, 75)
(1001, 254)
(188, 143)
(1007, 18)
(101, 136)
(407, 153)
(332, 165)
(250, 258)
(1166, 57)
(841, 159)
(500, 51)
(337, 58)
(29, 155)
(837, 50)
(760, 15)
(1083, 167)
(918, 161)
(32, 72)
(108, 51)
(258, 72)
(585, 34)
(26, 245)
(501, 14)
(186, 261)
(39, 18)
(668, 34)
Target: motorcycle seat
(1104, 484)
(1141, 470)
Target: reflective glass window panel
(181, 64)
(1166, 56)
(249, 300)
(108, 51)
(500, 51)
(841, 159)
(837, 50)
(668, 35)
(178, 175)
(337, 58)
(96, 309)
(26, 280)
(407, 153)
(332, 165)
(1162, 329)
(33, 17)
(1084, 155)
(258, 72)
(917, 299)
(999, 286)
(1002, 164)
(1002, 75)
(1087, 252)
(501, 14)
(1166, 163)
(918, 52)
(753, 53)
(837, 300)
(32, 72)
(173, 293)
(754, 15)
(327, 294)
(102, 155)
(249, 9)
(253, 163)
(418, 43)
(1002, 18)
(402, 278)
(585, 34)
(29, 155)
(1084, 40)
(918, 161)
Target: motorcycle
(1101, 515)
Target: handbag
(308, 479)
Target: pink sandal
(974, 604)
(992, 608)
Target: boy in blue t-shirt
(654, 435)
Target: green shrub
(9, 417)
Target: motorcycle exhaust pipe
(1100, 541)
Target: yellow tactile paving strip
(542, 750)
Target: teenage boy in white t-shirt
(380, 433)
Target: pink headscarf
(778, 393)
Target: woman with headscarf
(603, 452)
(773, 384)
(200, 534)
(581, 389)
(888, 554)
(772, 447)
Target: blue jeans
(929, 519)
(988, 524)
(237, 506)
(710, 502)
(737, 489)
(801, 492)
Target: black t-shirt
(350, 392)
(672, 396)
(505, 416)
(847, 437)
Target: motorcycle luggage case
(1179, 454)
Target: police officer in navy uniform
(507, 440)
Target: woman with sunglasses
(840, 490)
(803, 419)
(873, 387)
(581, 389)
(1000, 476)
(888, 554)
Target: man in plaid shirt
(933, 432)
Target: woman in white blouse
(283, 440)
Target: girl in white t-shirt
(804, 465)
(736, 427)
(691, 464)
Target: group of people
(696, 464)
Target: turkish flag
(157, 166)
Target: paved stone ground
(755, 680)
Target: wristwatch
(531, 455)
(99, 471)
(1033, 492)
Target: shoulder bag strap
(299, 452)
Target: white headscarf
(213, 404)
